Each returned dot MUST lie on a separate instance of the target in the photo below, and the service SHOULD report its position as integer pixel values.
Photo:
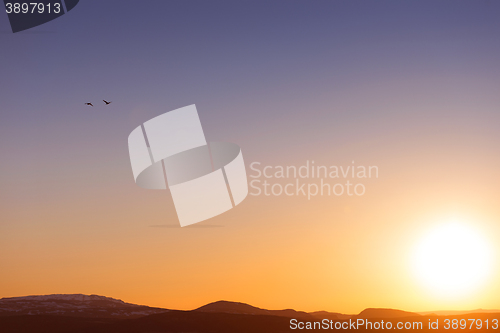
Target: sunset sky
(412, 87)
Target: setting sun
(453, 259)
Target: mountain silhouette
(77, 313)
(76, 305)
(242, 308)
(330, 315)
(385, 313)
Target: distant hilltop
(75, 305)
(64, 297)
(243, 308)
(96, 306)
(99, 314)
(385, 313)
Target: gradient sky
(412, 87)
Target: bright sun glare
(453, 259)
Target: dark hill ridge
(243, 308)
(385, 313)
(330, 315)
(75, 305)
(95, 306)
(68, 297)
(98, 314)
(231, 307)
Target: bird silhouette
(107, 103)
(89, 104)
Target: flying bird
(89, 104)
(107, 103)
